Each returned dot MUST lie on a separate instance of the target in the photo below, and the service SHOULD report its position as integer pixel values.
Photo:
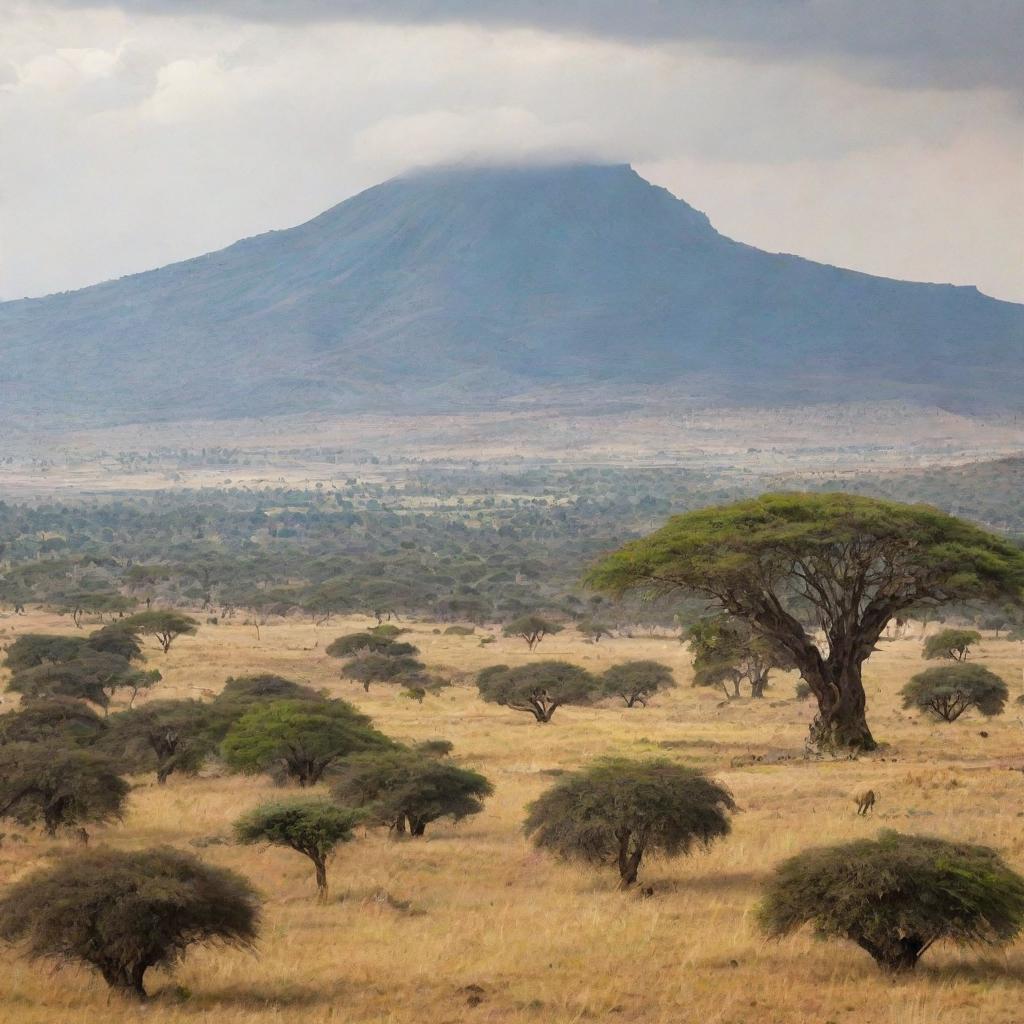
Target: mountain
(460, 286)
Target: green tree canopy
(61, 720)
(372, 641)
(33, 649)
(531, 628)
(122, 912)
(897, 895)
(852, 563)
(538, 689)
(314, 828)
(728, 650)
(89, 676)
(401, 788)
(636, 681)
(300, 739)
(618, 810)
(400, 670)
(164, 626)
(947, 691)
(951, 644)
(59, 786)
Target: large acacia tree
(820, 575)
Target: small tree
(538, 689)
(243, 692)
(313, 828)
(619, 810)
(300, 739)
(636, 681)
(121, 913)
(164, 736)
(531, 628)
(372, 641)
(383, 668)
(728, 651)
(115, 639)
(59, 786)
(33, 649)
(593, 630)
(897, 895)
(164, 626)
(402, 788)
(61, 720)
(954, 644)
(92, 677)
(949, 690)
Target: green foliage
(949, 690)
(59, 786)
(435, 748)
(636, 681)
(593, 630)
(300, 739)
(952, 644)
(897, 895)
(115, 639)
(165, 626)
(33, 649)
(314, 828)
(164, 736)
(121, 913)
(90, 677)
(727, 650)
(460, 630)
(240, 693)
(848, 564)
(619, 811)
(353, 644)
(60, 720)
(402, 670)
(531, 628)
(401, 788)
(538, 689)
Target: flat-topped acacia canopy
(852, 562)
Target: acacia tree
(636, 681)
(92, 677)
(728, 650)
(165, 626)
(61, 720)
(619, 810)
(896, 896)
(33, 649)
(538, 689)
(351, 644)
(59, 786)
(949, 690)
(853, 563)
(531, 628)
(953, 644)
(401, 788)
(121, 913)
(164, 736)
(300, 739)
(314, 828)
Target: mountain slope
(463, 285)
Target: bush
(243, 692)
(954, 644)
(300, 739)
(896, 896)
(635, 681)
(124, 912)
(538, 689)
(435, 748)
(401, 788)
(59, 786)
(460, 631)
(313, 828)
(950, 690)
(60, 720)
(619, 811)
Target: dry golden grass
(411, 924)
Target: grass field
(470, 924)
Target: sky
(882, 135)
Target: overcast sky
(883, 135)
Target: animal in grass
(865, 802)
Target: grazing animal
(865, 802)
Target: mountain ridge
(471, 284)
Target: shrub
(460, 631)
(61, 720)
(301, 739)
(620, 810)
(531, 628)
(59, 786)
(403, 788)
(897, 895)
(954, 644)
(313, 828)
(435, 748)
(538, 689)
(121, 913)
(635, 681)
(243, 692)
(948, 691)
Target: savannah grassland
(413, 925)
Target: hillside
(453, 287)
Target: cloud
(942, 43)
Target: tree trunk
(321, 878)
(418, 826)
(758, 685)
(902, 955)
(841, 722)
(629, 863)
(126, 981)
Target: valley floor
(470, 924)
